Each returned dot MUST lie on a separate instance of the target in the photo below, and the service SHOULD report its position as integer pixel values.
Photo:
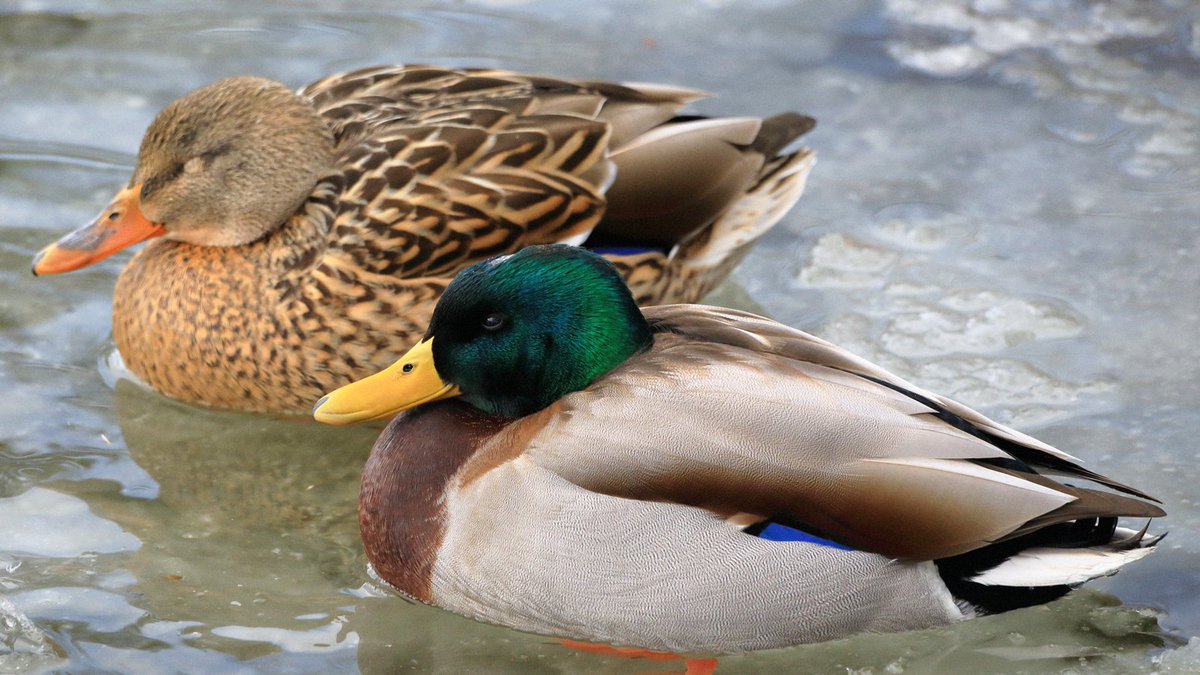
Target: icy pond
(1005, 209)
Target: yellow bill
(407, 383)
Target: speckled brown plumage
(435, 169)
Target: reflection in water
(1088, 625)
(100, 611)
(49, 524)
(270, 503)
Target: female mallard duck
(694, 479)
(303, 238)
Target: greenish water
(1004, 210)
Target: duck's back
(444, 168)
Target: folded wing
(753, 418)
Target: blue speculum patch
(777, 532)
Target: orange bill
(120, 226)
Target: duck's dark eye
(494, 321)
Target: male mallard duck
(694, 479)
(303, 238)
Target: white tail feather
(1062, 566)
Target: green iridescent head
(517, 333)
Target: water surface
(1004, 210)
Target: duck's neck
(303, 238)
(401, 506)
